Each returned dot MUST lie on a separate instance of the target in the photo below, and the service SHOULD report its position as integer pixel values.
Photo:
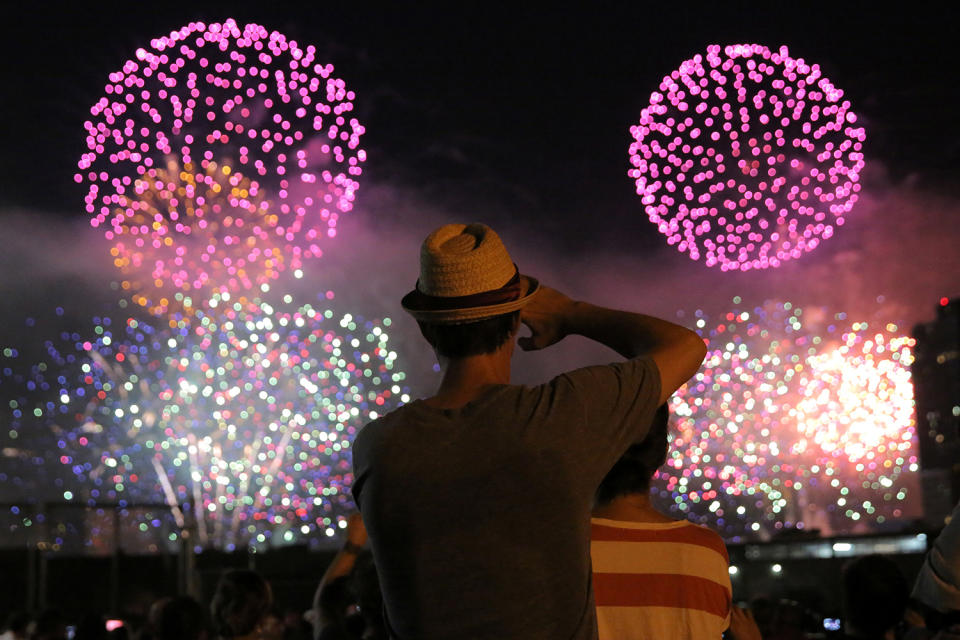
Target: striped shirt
(659, 580)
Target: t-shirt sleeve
(611, 407)
(360, 454)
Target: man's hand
(356, 532)
(546, 315)
(343, 562)
(742, 625)
(677, 352)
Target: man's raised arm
(677, 352)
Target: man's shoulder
(373, 432)
(381, 423)
(640, 364)
(639, 371)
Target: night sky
(518, 117)
(526, 106)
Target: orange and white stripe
(659, 580)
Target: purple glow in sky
(246, 146)
(747, 157)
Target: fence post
(115, 565)
(42, 582)
(32, 576)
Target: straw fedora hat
(467, 275)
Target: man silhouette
(477, 499)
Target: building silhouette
(936, 380)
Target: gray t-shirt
(479, 517)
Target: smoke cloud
(891, 262)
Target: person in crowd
(477, 499)
(295, 625)
(334, 598)
(48, 625)
(654, 576)
(334, 614)
(874, 597)
(16, 626)
(151, 624)
(182, 618)
(240, 608)
(743, 626)
(764, 611)
(792, 621)
(937, 588)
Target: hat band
(513, 290)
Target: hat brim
(471, 314)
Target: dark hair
(471, 338)
(875, 594)
(182, 618)
(633, 471)
(241, 601)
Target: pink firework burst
(224, 127)
(747, 157)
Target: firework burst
(796, 419)
(241, 420)
(187, 126)
(747, 157)
(226, 246)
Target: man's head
(634, 470)
(472, 338)
(469, 294)
(241, 600)
(182, 618)
(874, 596)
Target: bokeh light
(747, 157)
(797, 419)
(240, 420)
(215, 148)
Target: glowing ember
(240, 420)
(747, 157)
(202, 103)
(794, 420)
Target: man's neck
(464, 379)
(632, 507)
